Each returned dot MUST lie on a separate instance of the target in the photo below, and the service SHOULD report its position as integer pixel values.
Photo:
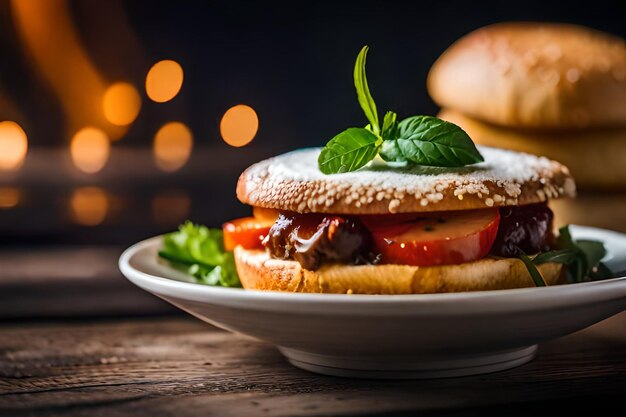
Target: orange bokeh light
(9, 197)
(171, 207)
(121, 103)
(90, 148)
(164, 80)
(239, 125)
(89, 206)
(13, 146)
(50, 37)
(172, 146)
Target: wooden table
(82, 341)
(178, 366)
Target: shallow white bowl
(394, 336)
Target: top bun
(534, 75)
(293, 182)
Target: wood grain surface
(74, 281)
(182, 367)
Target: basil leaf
(578, 269)
(427, 140)
(593, 250)
(532, 270)
(590, 252)
(586, 265)
(348, 151)
(390, 152)
(565, 256)
(573, 259)
(424, 140)
(390, 126)
(564, 240)
(363, 91)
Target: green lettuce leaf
(199, 251)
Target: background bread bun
(258, 271)
(293, 182)
(534, 75)
(595, 157)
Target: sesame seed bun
(596, 157)
(534, 75)
(258, 271)
(293, 182)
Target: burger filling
(524, 228)
(421, 239)
(314, 239)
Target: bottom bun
(595, 157)
(258, 271)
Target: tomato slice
(434, 239)
(248, 232)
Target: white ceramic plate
(394, 336)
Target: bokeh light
(121, 103)
(172, 146)
(164, 80)
(90, 148)
(239, 125)
(89, 206)
(13, 146)
(9, 197)
(171, 207)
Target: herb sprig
(421, 140)
(581, 258)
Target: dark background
(291, 62)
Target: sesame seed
(541, 194)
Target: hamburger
(394, 207)
(550, 89)
(385, 230)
